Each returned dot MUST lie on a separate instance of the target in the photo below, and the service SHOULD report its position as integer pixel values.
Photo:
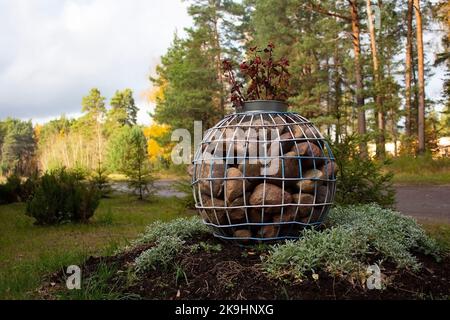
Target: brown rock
(234, 188)
(330, 169)
(273, 195)
(252, 168)
(281, 145)
(205, 173)
(323, 194)
(205, 216)
(314, 217)
(235, 142)
(303, 200)
(266, 129)
(311, 179)
(281, 123)
(291, 166)
(255, 215)
(304, 131)
(310, 151)
(268, 231)
(237, 215)
(259, 123)
(242, 233)
(288, 215)
(213, 149)
(216, 216)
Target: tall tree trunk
(421, 76)
(337, 94)
(381, 141)
(408, 70)
(218, 50)
(356, 37)
(327, 67)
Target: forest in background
(357, 67)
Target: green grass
(174, 172)
(422, 178)
(28, 252)
(420, 170)
(99, 286)
(440, 232)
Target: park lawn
(160, 175)
(440, 232)
(420, 170)
(28, 252)
(421, 178)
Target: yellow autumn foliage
(154, 94)
(156, 151)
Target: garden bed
(236, 273)
(182, 260)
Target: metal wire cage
(263, 175)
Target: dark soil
(235, 273)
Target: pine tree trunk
(421, 71)
(327, 67)
(337, 96)
(218, 59)
(381, 141)
(408, 70)
(141, 195)
(356, 35)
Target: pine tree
(124, 110)
(17, 147)
(189, 85)
(128, 155)
(93, 105)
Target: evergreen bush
(361, 180)
(61, 196)
(10, 191)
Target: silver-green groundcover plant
(357, 237)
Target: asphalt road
(425, 203)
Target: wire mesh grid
(263, 176)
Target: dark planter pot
(265, 106)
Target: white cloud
(54, 51)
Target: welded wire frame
(252, 142)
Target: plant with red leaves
(267, 78)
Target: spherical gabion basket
(263, 174)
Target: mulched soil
(235, 273)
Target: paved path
(426, 203)
(164, 188)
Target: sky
(53, 51)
